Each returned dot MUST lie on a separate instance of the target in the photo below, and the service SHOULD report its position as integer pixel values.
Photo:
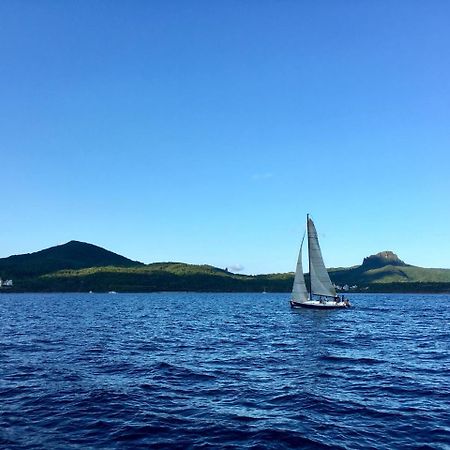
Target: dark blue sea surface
(188, 370)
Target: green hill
(154, 277)
(72, 255)
(82, 267)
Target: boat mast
(309, 256)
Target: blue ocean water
(189, 370)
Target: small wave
(243, 418)
(133, 432)
(165, 370)
(149, 387)
(292, 439)
(288, 398)
(148, 347)
(100, 425)
(349, 359)
(8, 443)
(95, 350)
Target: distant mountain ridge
(80, 267)
(386, 268)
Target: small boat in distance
(322, 293)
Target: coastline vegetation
(81, 267)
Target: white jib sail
(320, 280)
(299, 292)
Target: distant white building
(346, 287)
(6, 283)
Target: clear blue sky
(204, 131)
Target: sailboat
(322, 294)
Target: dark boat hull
(318, 305)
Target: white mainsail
(320, 280)
(299, 292)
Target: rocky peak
(386, 258)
